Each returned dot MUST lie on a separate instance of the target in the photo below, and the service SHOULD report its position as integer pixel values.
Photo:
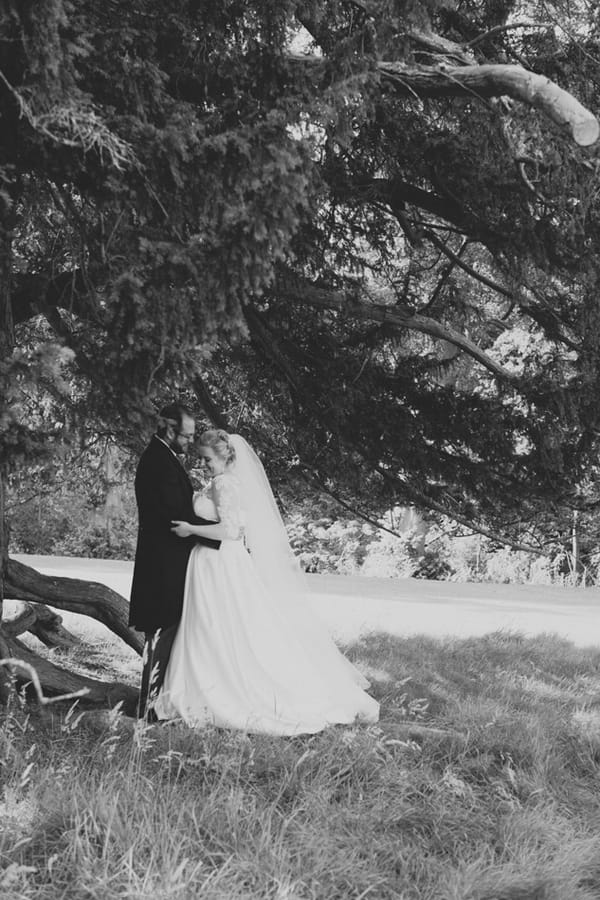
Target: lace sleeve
(226, 496)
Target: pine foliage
(395, 290)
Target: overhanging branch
(421, 500)
(484, 81)
(216, 416)
(479, 276)
(269, 345)
(396, 318)
(545, 316)
(396, 193)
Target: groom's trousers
(157, 651)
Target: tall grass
(505, 805)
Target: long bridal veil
(266, 537)
(268, 544)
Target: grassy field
(501, 802)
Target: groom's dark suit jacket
(163, 492)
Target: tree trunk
(113, 504)
(575, 558)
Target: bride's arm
(218, 531)
(227, 503)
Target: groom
(164, 493)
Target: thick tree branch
(478, 276)
(209, 406)
(269, 345)
(485, 81)
(445, 275)
(421, 39)
(436, 45)
(85, 597)
(40, 621)
(397, 318)
(397, 193)
(546, 317)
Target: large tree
(366, 232)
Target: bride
(250, 653)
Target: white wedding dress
(245, 658)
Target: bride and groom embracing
(231, 638)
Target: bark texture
(25, 584)
(53, 681)
(86, 597)
(486, 80)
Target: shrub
(65, 524)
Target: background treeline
(83, 504)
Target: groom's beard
(176, 448)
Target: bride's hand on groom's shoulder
(181, 529)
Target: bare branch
(495, 81)
(546, 316)
(424, 502)
(397, 318)
(446, 272)
(485, 81)
(455, 258)
(500, 29)
(35, 681)
(397, 193)
(421, 38)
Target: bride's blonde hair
(218, 440)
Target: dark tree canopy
(364, 233)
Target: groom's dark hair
(172, 414)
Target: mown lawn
(500, 802)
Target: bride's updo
(218, 440)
